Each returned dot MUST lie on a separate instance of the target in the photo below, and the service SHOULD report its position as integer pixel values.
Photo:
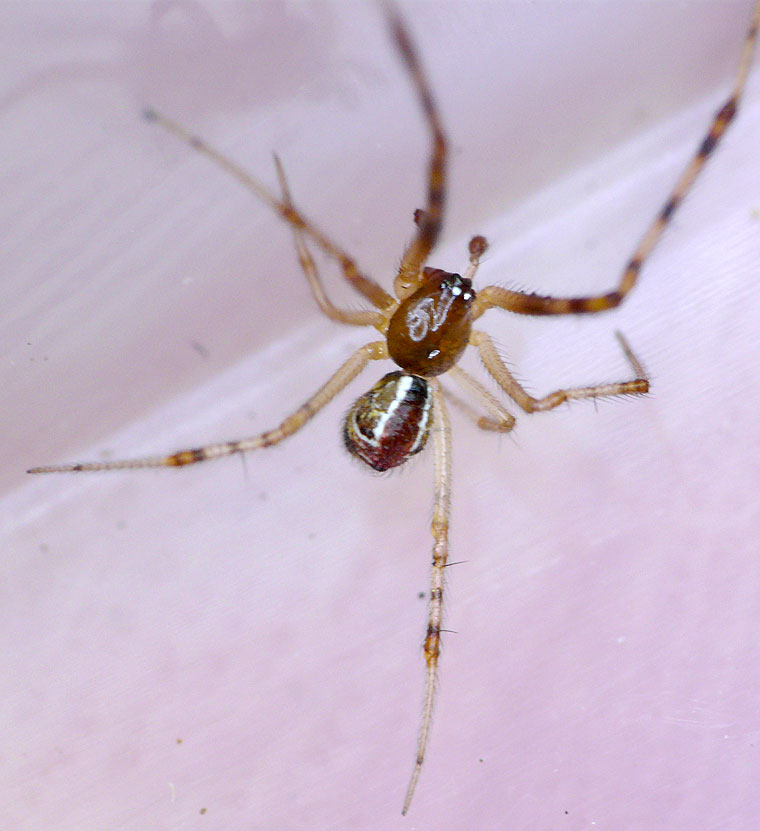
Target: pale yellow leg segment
(350, 316)
(504, 378)
(500, 420)
(440, 529)
(365, 285)
(345, 374)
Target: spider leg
(344, 375)
(504, 378)
(364, 285)
(362, 317)
(440, 529)
(431, 218)
(499, 420)
(534, 304)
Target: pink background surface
(266, 613)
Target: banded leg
(500, 419)
(364, 285)
(504, 378)
(345, 374)
(431, 219)
(534, 304)
(361, 317)
(440, 529)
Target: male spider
(425, 328)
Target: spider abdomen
(430, 329)
(390, 423)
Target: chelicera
(425, 326)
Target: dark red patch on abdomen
(390, 423)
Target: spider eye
(390, 423)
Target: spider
(425, 326)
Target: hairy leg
(431, 219)
(504, 378)
(355, 317)
(440, 529)
(345, 374)
(499, 420)
(364, 285)
(534, 304)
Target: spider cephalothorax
(431, 328)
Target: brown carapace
(430, 329)
(424, 329)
